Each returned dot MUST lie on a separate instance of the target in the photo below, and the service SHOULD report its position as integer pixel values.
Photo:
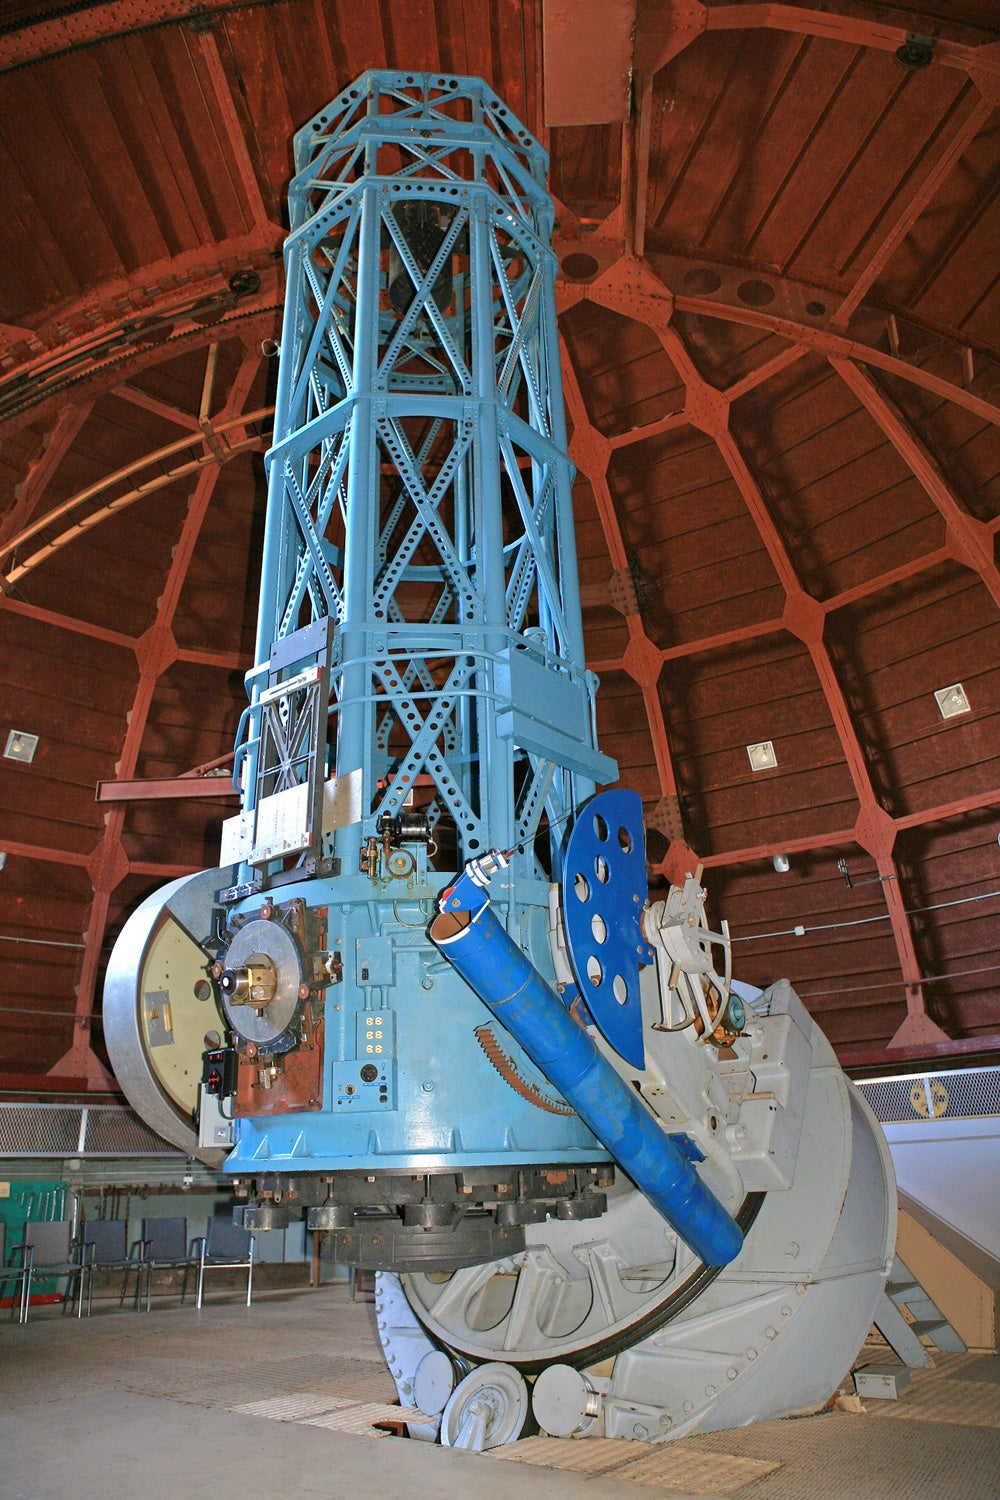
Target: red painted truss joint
(632, 288)
(108, 864)
(590, 451)
(804, 617)
(643, 661)
(156, 650)
(875, 831)
(707, 409)
(972, 545)
(665, 816)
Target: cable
(916, 911)
(39, 942)
(892, 984)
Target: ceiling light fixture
(3, 858)
(762, 756)
(952, 700)
(916, 53)
(781, 863)
(21, 746)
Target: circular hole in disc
(601, 869)
(598, 927)
(581, 886)
(600, 828)
(702, 281)
(755, 293)
(619, 989)
(579, 266)
(594, 971)
(625, 841)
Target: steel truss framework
(418, 387)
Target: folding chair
(10, 1276)
(165, 1245)
(104, 1243)
(47, 1250)
(226, 1247)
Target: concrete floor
(136, 1405)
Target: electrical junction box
(881, 1382)
(375, 961)
(214, 1128)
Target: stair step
(940, 1332)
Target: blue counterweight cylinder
(492, 964)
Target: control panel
(219, 1069)
(369, 1081)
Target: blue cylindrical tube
(494, 966)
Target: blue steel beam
(419, 488)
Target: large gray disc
(154, 1025)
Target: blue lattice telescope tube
(473, 940)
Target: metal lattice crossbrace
(963, 1093)
(74, 1130)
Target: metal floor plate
(681, 1465)
(592, 1456)
(965, 1403)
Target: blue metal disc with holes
(604, 890)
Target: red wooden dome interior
(778, 233)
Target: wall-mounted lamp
(762, 756)
(21, 746)
(952, 700)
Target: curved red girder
(108, 863)
(89, 345)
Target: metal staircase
(903, 1290)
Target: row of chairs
(48, 1250)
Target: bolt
(303, 992)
